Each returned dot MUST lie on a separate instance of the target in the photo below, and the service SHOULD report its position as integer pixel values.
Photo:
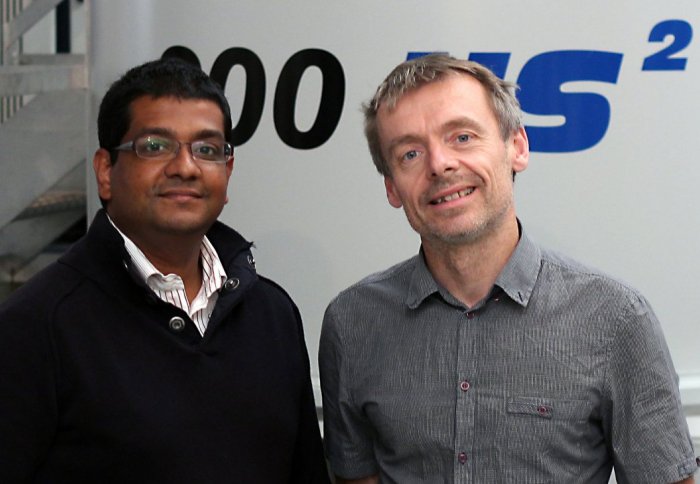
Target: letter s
(587, 115)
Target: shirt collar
(214, 274)
(517, 279)
(422, 283)
(212, 279)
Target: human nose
(441, 161)
(183, 163)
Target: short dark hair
(158, 78)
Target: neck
(469, 270)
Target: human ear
(229, 170)
(521, 148)
(102, 164)
(391, 193)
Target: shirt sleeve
(347, 433)
(645, 424)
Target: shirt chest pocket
(547, 436)
(548, 408)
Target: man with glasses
(152, 351)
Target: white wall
(319, 217)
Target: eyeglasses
(163, 148)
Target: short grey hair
(420, 71)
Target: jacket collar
(101, 255)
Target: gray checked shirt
(556, 377)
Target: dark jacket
(97, 385)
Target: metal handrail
(25, 20)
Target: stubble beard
(477, 226)
(475, 231)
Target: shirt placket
(466, 388)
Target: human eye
(207, 150)
(154, 146)
(410, 155)
(462, 138)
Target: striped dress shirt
(171, 289)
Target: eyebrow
(406, 139)
(459, 122)
(463, 122)
(201, 134)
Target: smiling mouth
(452, 196)
(180, 194)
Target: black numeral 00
(329, 110)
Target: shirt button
(470, 315)
(231, 284)
(176, 324)
(544, 410)
(464, 385)
(462, 457)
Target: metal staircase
(43, 131)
